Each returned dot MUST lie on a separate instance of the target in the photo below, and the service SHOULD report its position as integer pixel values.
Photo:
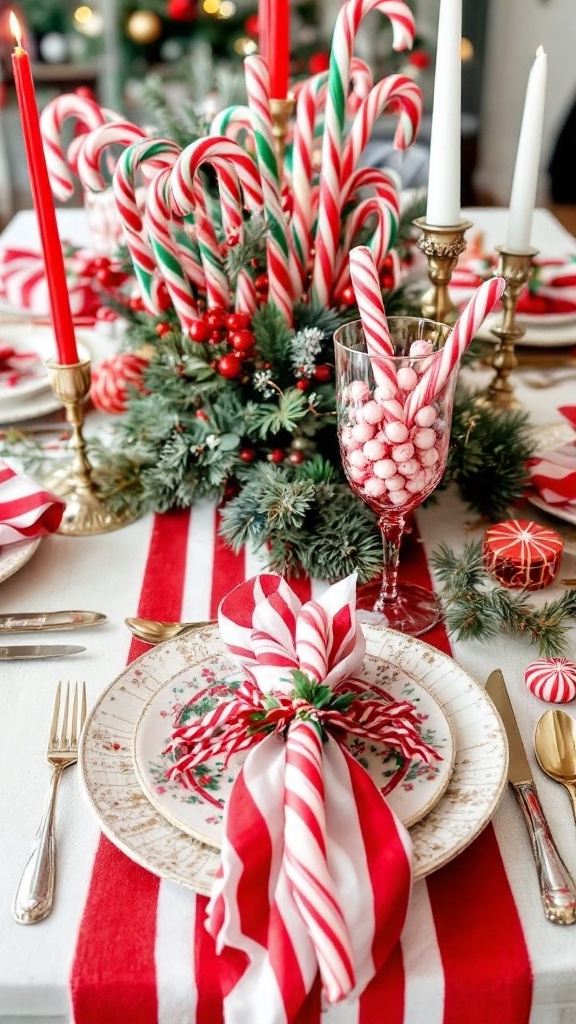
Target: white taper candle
(525, 181)
(443, 209)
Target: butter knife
(23, 653)
(556, 885)
(22, 622)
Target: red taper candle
(279, 47)
(43, 203)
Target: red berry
(215, 318)
(162, 329)
(347, 296)
(163, 297)
(387, 281)
(247, 455)
(303, 385)
(216, 337)
(242, 341)
(201, 415)
(136, 304)
(276, 455)
(296, 458)
(199, 331)
(237, 321)
(230, 366)
(261, 283)
(233, 238)
(322, 373)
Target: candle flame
(540, 52)
(15, 29)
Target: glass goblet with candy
(394, 449)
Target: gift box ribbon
(26, 510)
(316, 869)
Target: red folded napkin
(316, 869)
(569, 413)
(554, 475)
(26, 510)
(551, 291)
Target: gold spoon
(152, 631)
(555, 745)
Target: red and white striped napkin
(315, 871)
(26, 509)
(23, 282)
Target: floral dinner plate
(411, 789)
(131, 822)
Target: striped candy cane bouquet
(289, 858)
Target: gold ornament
(144, 27)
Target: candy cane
(57, 111)
(445, 362)
(122, 133)
(226, 156)
(395, 89)
(309, 98)
(382, 182)
(158, 223)
(368, 293)
(280, 285)
(361, 82)
(165, 152)
(385, 210)
(331, 183)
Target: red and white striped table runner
(143, 955)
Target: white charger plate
(14, 556)
(197, 807)
(131, 822)
(567, 511)
(544, 335)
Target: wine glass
(391, 466)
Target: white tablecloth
(105, 574)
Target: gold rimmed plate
(137, 827)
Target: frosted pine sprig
(305, 348)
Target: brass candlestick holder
(86, 509)
(281, 111)
(442, 246)
(515, 268)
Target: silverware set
(41, 622)
(555, 747)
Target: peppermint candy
(113, 378)
(552, 679)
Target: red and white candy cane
(158, 221)
(378, 180)
(331, 182)
(361, 82)
(165, 152)
(368, 293)
(278, 254)
(310, 97)
(122, 133)
(406, 97)
(445, 362)
(387, 215)
(305, 859)
(68, 107)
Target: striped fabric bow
(26, 510)
(316, 870)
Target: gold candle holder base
(515, 268)
(442, 246)
(86, 510)
(281, 111)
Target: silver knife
(556, 885)
(22, 652)
(22, 622)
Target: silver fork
(35, 892)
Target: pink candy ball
(384, 469)
(362, 432)
(384, 392)
(416, 483)
(374, 450)
(374, 488)
(357, 475)
(408, 468)
(424, 437)
(357, 459)
(402, 452)
(425, 417)
(358, 391)
(421, 348)
(373, 412)
(407, 378)
(396, 432)
(429, 456)
(395, 483)
(399, 497)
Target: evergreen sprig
(478, 608)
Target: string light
(211, 6)
(227, 9)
